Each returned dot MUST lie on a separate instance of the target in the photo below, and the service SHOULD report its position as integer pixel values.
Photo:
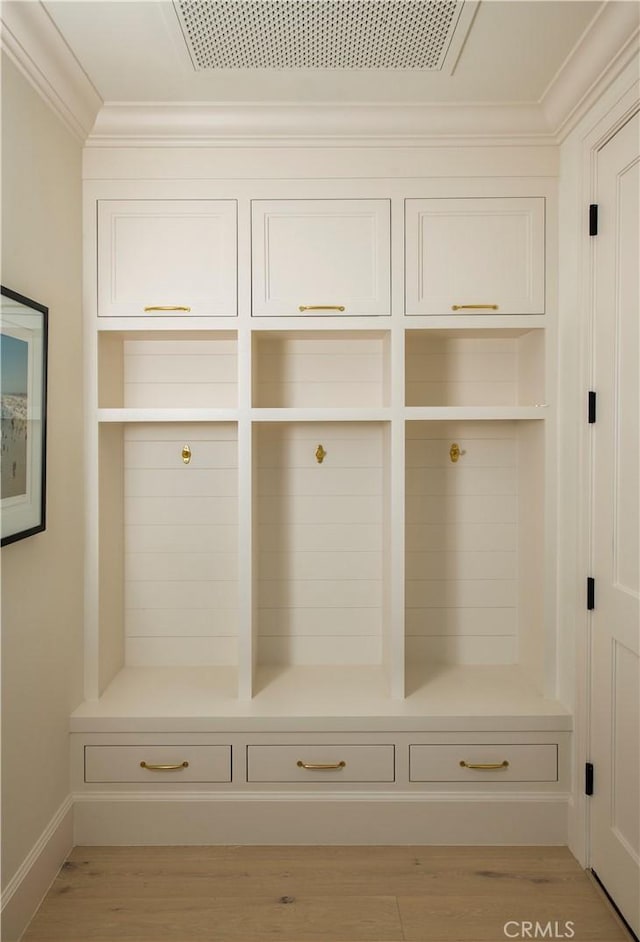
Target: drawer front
(497, 763)
(325, 763)
(186, 764)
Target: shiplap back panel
(180, 373)
(470, 371)
(462, 541)
(531, 462)
(320, 542)
(181, 581)
(315, 371)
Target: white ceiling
(134, 51)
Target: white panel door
(320, 257)
(167, 257)
(615, 682)
(475, 256)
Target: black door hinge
(592, 407)
(593, 219)
(591, 594)
(588, 778)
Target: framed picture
(23, 400)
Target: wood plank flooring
(323, 894)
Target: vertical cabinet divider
(247, 641)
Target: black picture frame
(24, 327)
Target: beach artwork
(14, 373)
(23, 415)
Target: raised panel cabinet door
(167, 258)
(475, 256)
(320, 257)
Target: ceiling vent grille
(321, 34)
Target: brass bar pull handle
(167, 307)
(321, 307)
(474, 307)
(321, 766)
(160, 767)
(484, 766)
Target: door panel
(615, 627)
(320, 257)
(166, 257)
(475, 256)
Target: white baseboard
(29, 885)
(357, 818)
(128, 818)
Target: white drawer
(125, 764)
(320, 763)
(502, 763)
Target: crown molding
(609, 43)
(233, 123)
(32, 42)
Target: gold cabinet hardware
(167, 307)
(321, 307)
(455, 452)
(474, 307)
(484, 766)
(160, 767)
(321, 766)
(186, 454)
(320, 454)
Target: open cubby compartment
(321, 538)
(474, 544)
(168, 583)
(499, 367)
(309, 369)
(167, 369)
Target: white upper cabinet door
(475, 256)
(321, 257)
(167, 257)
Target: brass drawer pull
(159, 767)
(485, 766)
(321, 307)
(321, 766)
(168, 307)
(474, 307)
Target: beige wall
(42, 575)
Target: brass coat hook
(320, 454)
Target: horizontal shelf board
(303, 323)
(321, 415)
(167, 415)
(316, 322)
(420, 413)
(450, 321)
(441, 413)
(161, 324)
(201, 699)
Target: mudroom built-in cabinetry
(320, 501)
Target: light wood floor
(322, 894)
